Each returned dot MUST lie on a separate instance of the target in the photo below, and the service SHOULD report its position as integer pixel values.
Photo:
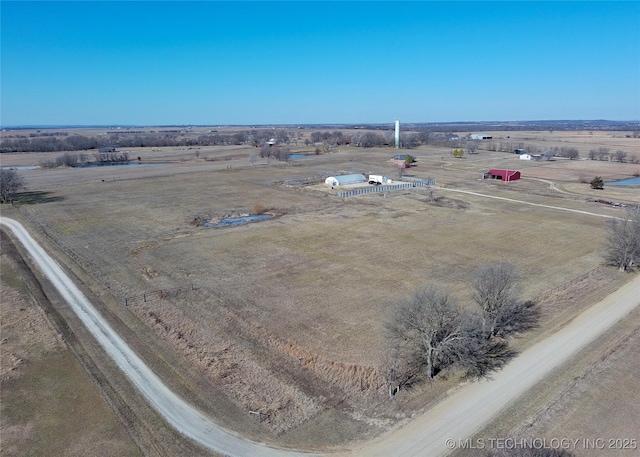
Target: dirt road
(433, 434)
(522, 202)
(474, 405)
(182, 416)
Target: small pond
(34, 167)
(625, 182)
(298, 156)
(228, 221)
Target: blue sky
(211, 63)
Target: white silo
(397, 134)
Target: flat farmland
(286, 316)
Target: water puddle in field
(34, 167)
(230, 221)
(298, 156)
(625, 182)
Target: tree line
(254, 137)
(82, 159)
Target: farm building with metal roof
(504, 175)
(480, 136)
(341, 180)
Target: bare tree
(622, 246)
(620, 155)
(496, 289)
(573, 154)
(408, 140)
(430, 330)
(602, 153)
(471, 147)
(570, 153)
(10, 184)
(266, 151)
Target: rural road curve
(458, 417)
(183, 416)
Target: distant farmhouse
(401, 160)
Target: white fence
(415, 182)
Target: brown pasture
(286, 316)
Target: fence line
(574, 280)
(160, 294)
(416, 182)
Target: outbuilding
(342, 180)
(525, 157)
(503, 175)
(480, 136)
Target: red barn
(504, 175)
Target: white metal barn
(480, 136)
(341, 180)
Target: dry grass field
(588, 408)
(49, 406)
(286, 316)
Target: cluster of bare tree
(510, 147)
(618, 156)
(569, 153)
(255, 137)
(111, 157)
(49, 144)
(622, 246)
(10, 184)
(68, 160)
(37, 134)
(368, 139)
(274, 151)
(430, 331)
(63, 141)
(81, 159)
(425, 136)
(336, 137)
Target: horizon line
(115, 125)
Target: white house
(341, 180)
